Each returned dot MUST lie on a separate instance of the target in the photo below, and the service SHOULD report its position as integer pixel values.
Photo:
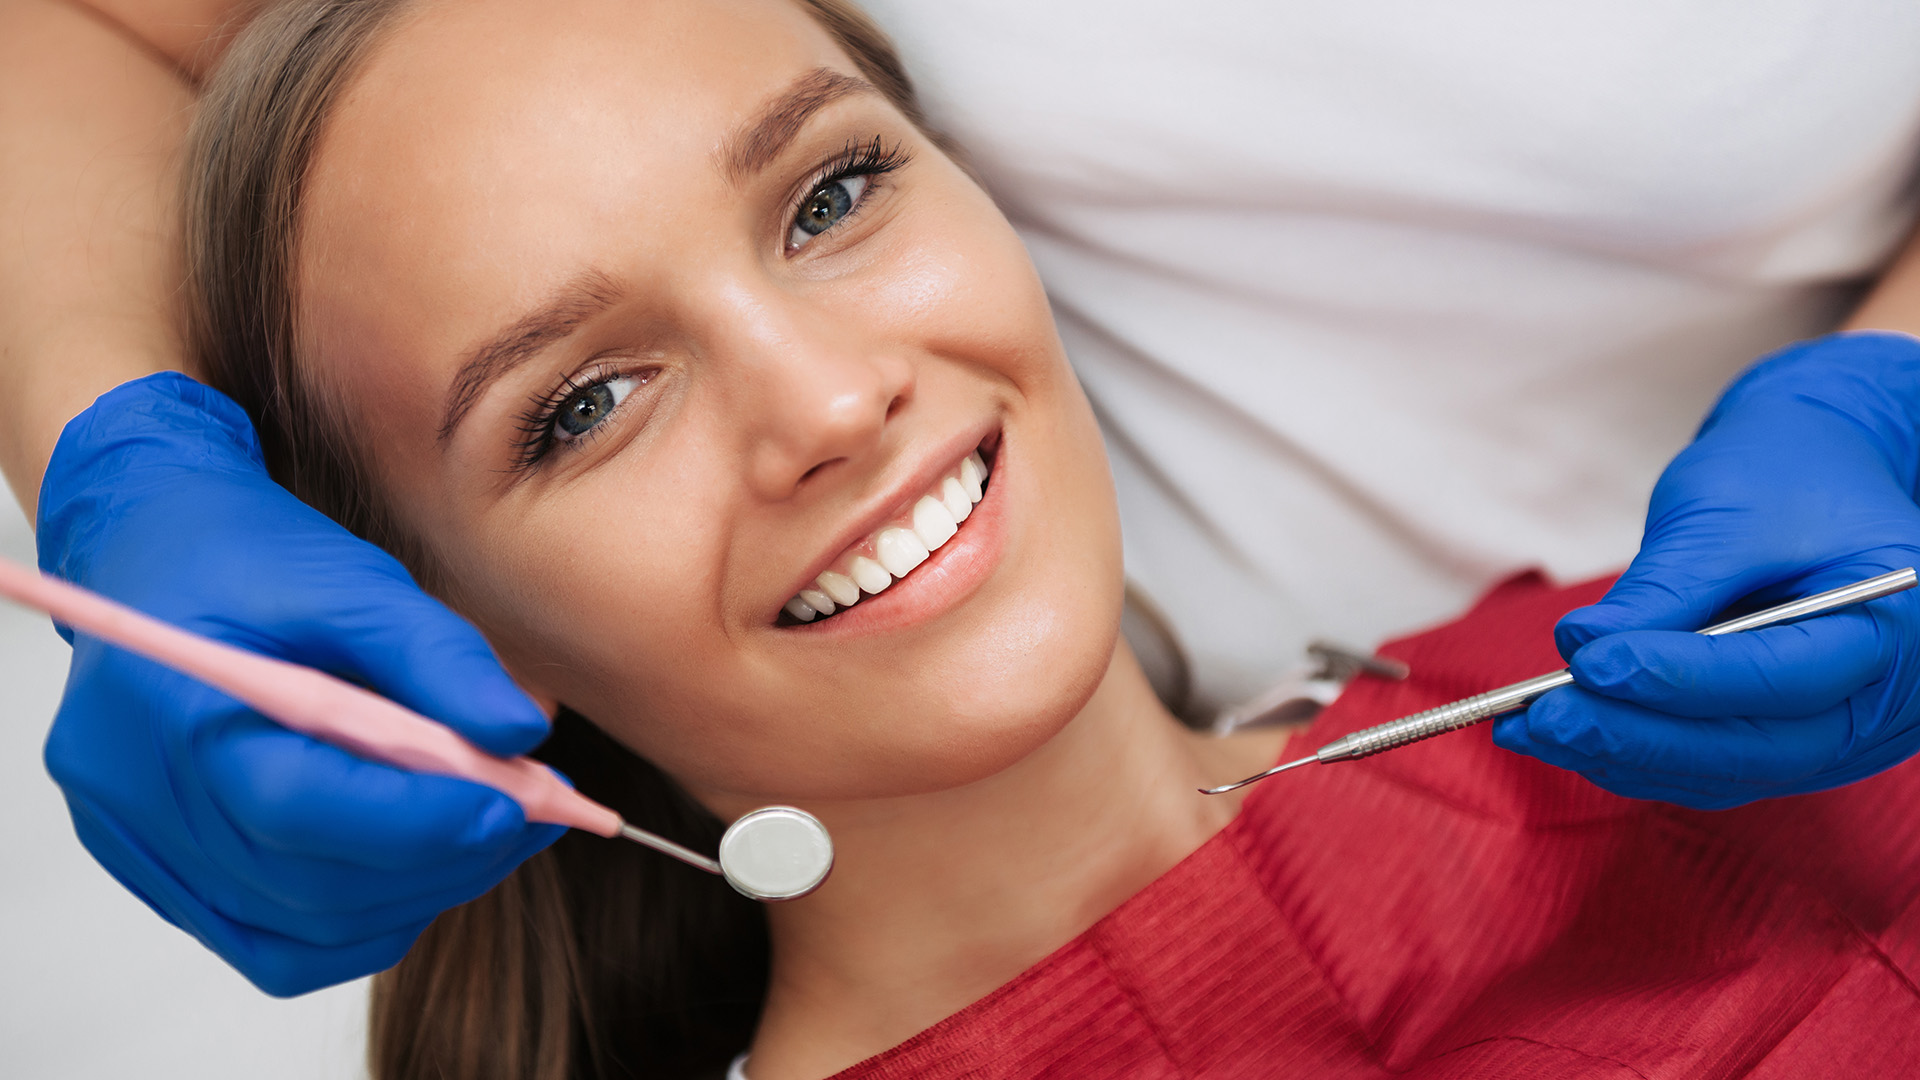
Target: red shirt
(1453, 910)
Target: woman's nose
(821, 397)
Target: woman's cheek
(960, 272)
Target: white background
(93, 986)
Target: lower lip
(936, 586)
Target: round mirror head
(776, 853)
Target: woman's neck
(938, 899)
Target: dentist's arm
(89, 121)
(1803, 477)
(298, 863)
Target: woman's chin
(957, 741)
(977, 750)
(887, 717)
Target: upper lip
(891, 501)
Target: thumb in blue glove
(1802, 479)
(298, 863)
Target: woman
(665, 345)
(626, 362)
(1726, 142)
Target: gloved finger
(318, 895)
(1687, 791)
(126, 860)
(1669, 596)
(1513, 732)
(291, 794)
(339, 916)
(360, 921)
(413, 649)
(1599, 736)
(280, 965)
(1778, 671)
(313, 900)
(1672, 584)
(331, 844)
(1890, 749)
(1510, 732)
(287, 968)
(1695, 793)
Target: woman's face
(652, 313)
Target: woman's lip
(949, 575)
(894, 503)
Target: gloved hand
(298, 863)
(1802, 479)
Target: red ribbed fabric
(1452, 910)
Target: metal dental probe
(1469, 711)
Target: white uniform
(1381, 300)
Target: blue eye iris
(584, 410)
(829, 203)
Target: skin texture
(967, 734)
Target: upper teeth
(871, 565)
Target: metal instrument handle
(1450, 717)
(1469, 711)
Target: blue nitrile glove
(298, 863)
(1802, 479)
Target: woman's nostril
(895, 405)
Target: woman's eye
(825, 207)
(581, 411)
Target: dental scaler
(1469, 711)
(774, 853)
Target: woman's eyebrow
(749, 149)
(588, 294)
(757, 142)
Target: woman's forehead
(716, 44)
(489, 148)
(480, 93)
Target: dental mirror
(773, 853)
(776, 853)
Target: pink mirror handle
(312, 702)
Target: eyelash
(535, 426)
(873, 159)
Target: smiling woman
(668, 344)
(665, 342)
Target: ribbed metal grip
(1451, 717)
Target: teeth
(898, 548)
(973, 473)
(869, 575)
(954, 498)
(931, 523)
(840, 587)
(899, 551)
